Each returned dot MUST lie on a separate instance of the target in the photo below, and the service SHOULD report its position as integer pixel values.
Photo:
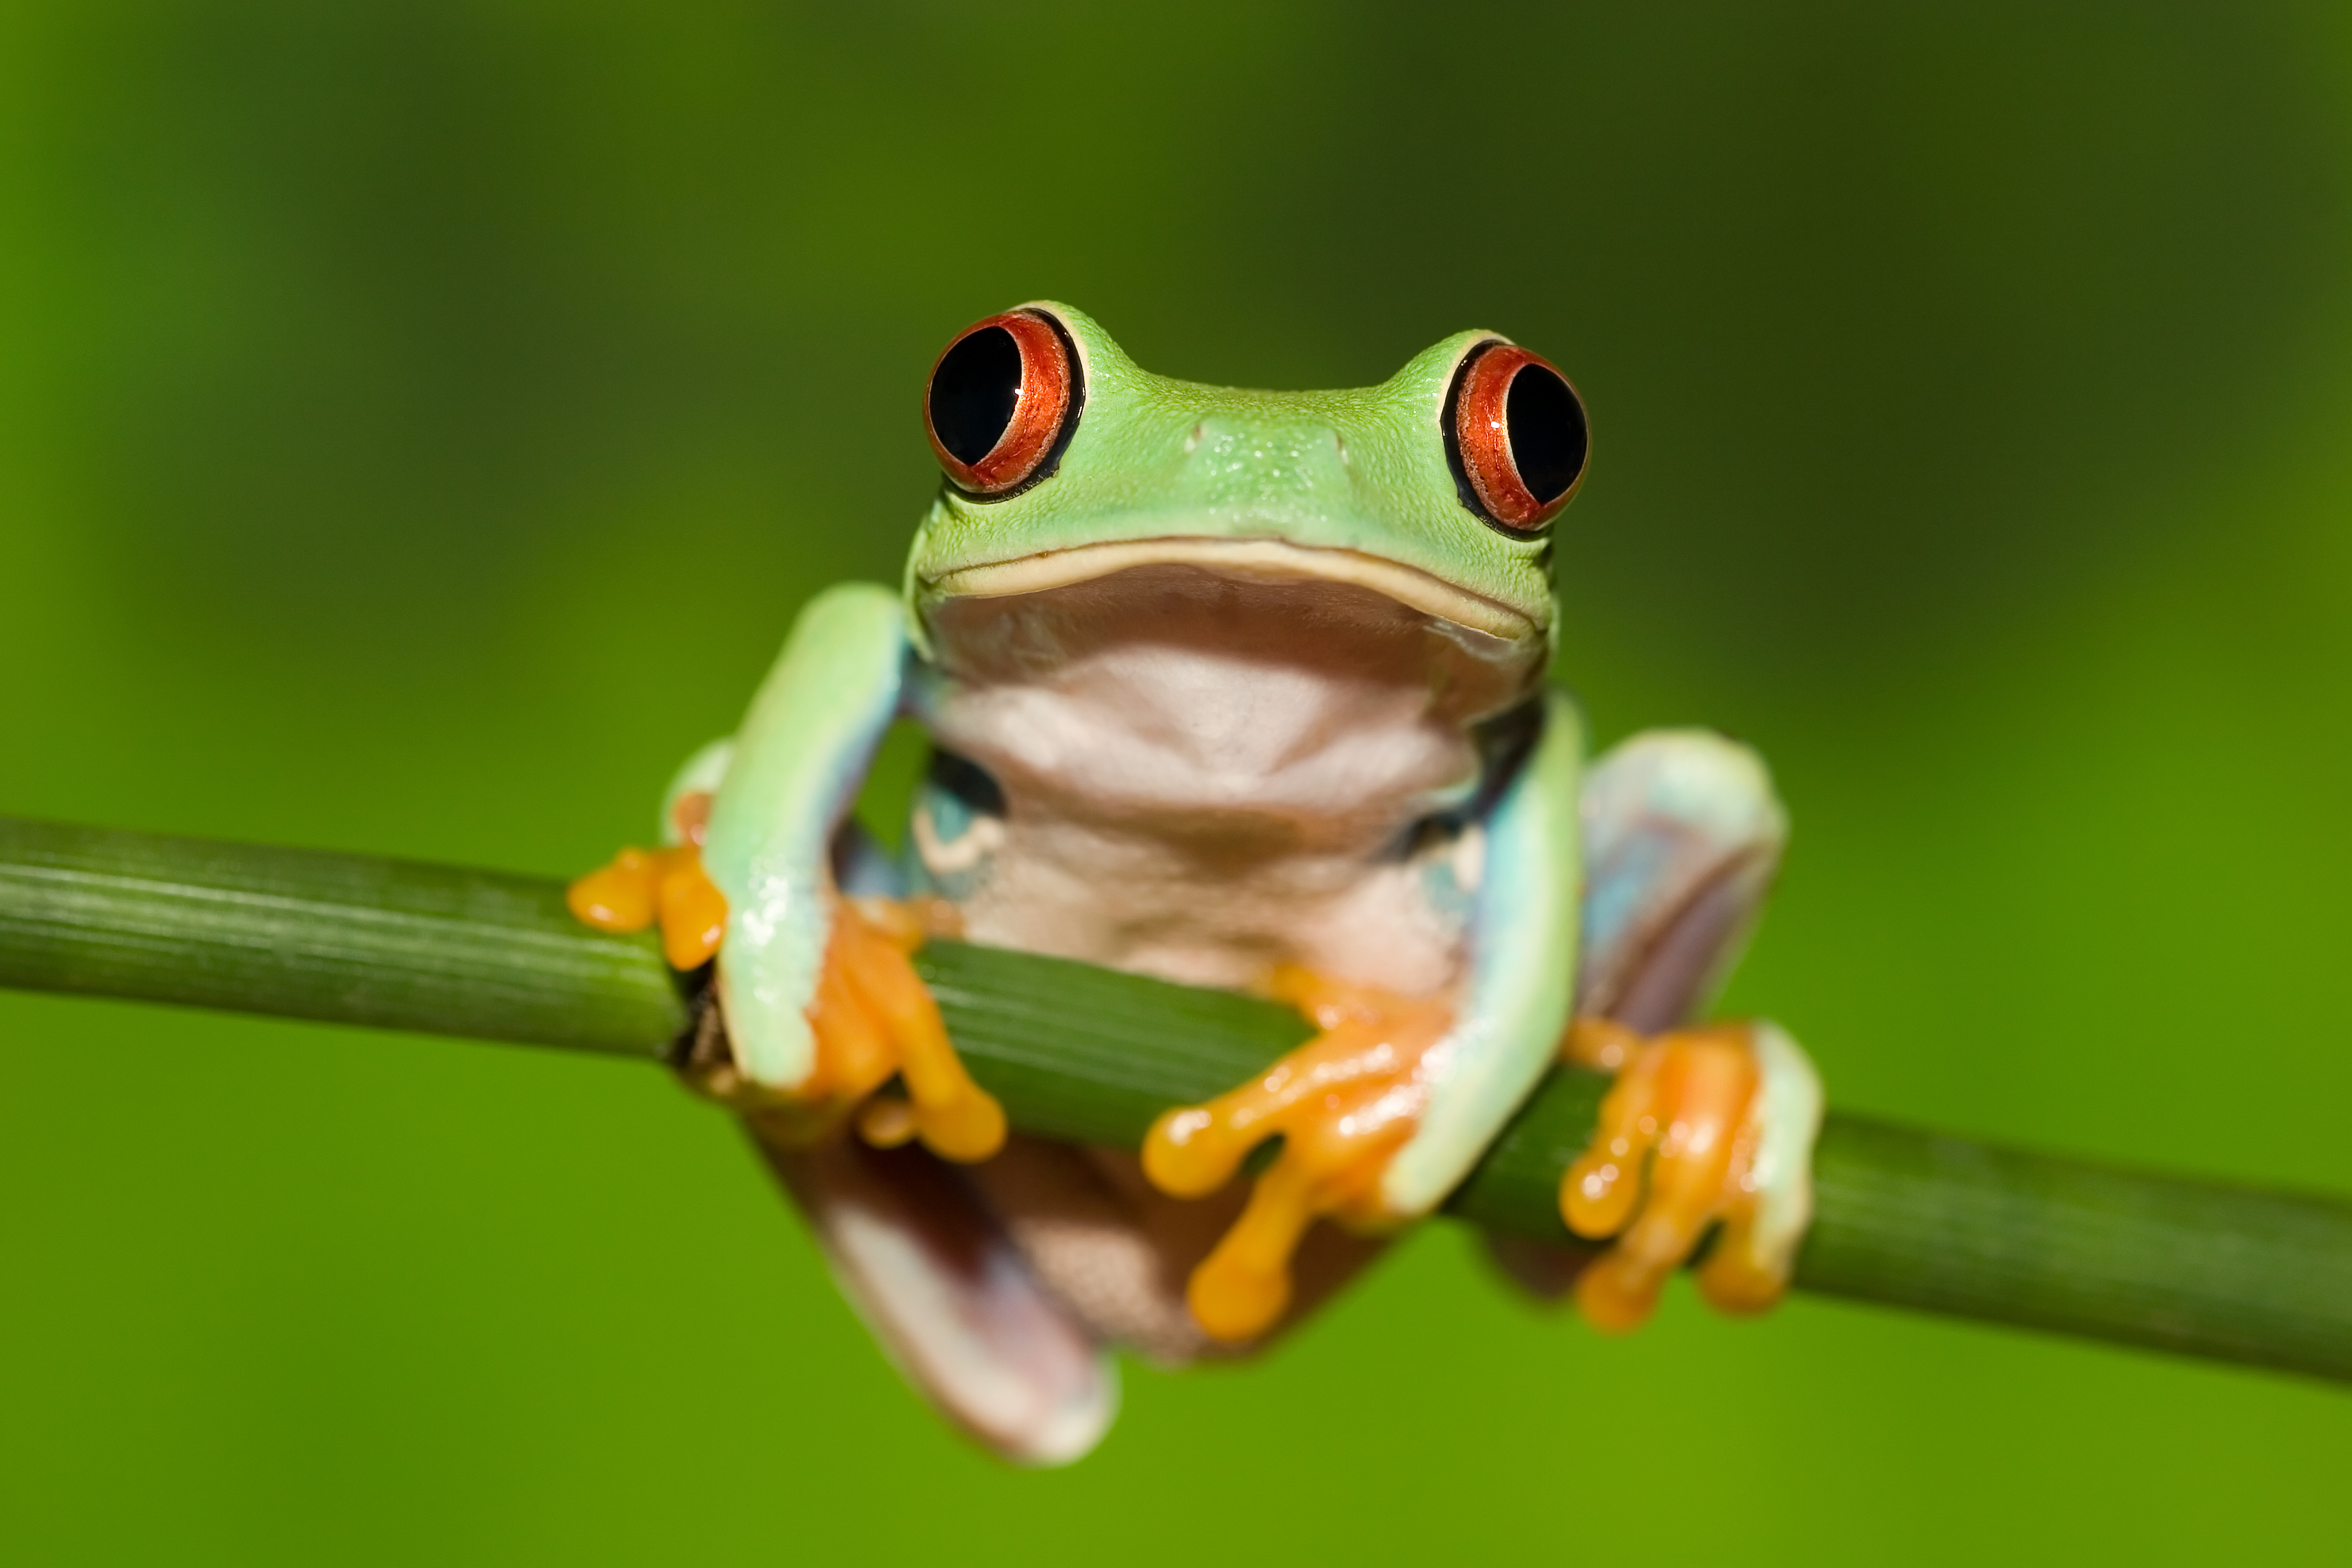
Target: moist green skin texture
(1361, 469)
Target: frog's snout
(1200, 429)
(1233, 463)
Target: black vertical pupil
(973, 393)
(1547, 428)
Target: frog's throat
(1262, 560)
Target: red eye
(1003, 401)
(1515, 430)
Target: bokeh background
(419, 422)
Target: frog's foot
(1705, 1128)
(643, 886)
(872, 1016)
(875, 1020)
(1342, 1104)
(1682, 835)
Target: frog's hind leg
(1119, 1253)
(927, 1266)
(949, 1295)
(1683, 835)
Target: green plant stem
(1902, 1217)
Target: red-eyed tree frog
(1237, 689)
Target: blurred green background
(419, 422)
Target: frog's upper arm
(796, 765)
(1522, 980)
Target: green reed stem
(1903, 1217)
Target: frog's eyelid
(1516, 434)
(1003, 401)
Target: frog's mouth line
(1260, 559)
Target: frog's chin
(1251, 559)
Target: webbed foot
(1708, 1127)
(873, 1018)
(1343, 1104)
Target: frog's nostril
(1192, 437)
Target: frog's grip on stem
(1343, 1104)
(1705, 1128)
(641, 885)
(872, 1015)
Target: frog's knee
(1683, 834)
(1697, 782)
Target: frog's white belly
(1204, 778)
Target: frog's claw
(1342, 1104)
(1703, 1127)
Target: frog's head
(1066, 462)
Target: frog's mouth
(1247, 560)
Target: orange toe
(643, 886)
(621, 897)
(1670, 1158)
(693, 911)
(875, 1018)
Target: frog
(1238, 689)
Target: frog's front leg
(1386, 1110)
(1383, 1112)
(819, 1006)
(821, 1002)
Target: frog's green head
(1066, 462)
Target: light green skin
(1155, 459)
